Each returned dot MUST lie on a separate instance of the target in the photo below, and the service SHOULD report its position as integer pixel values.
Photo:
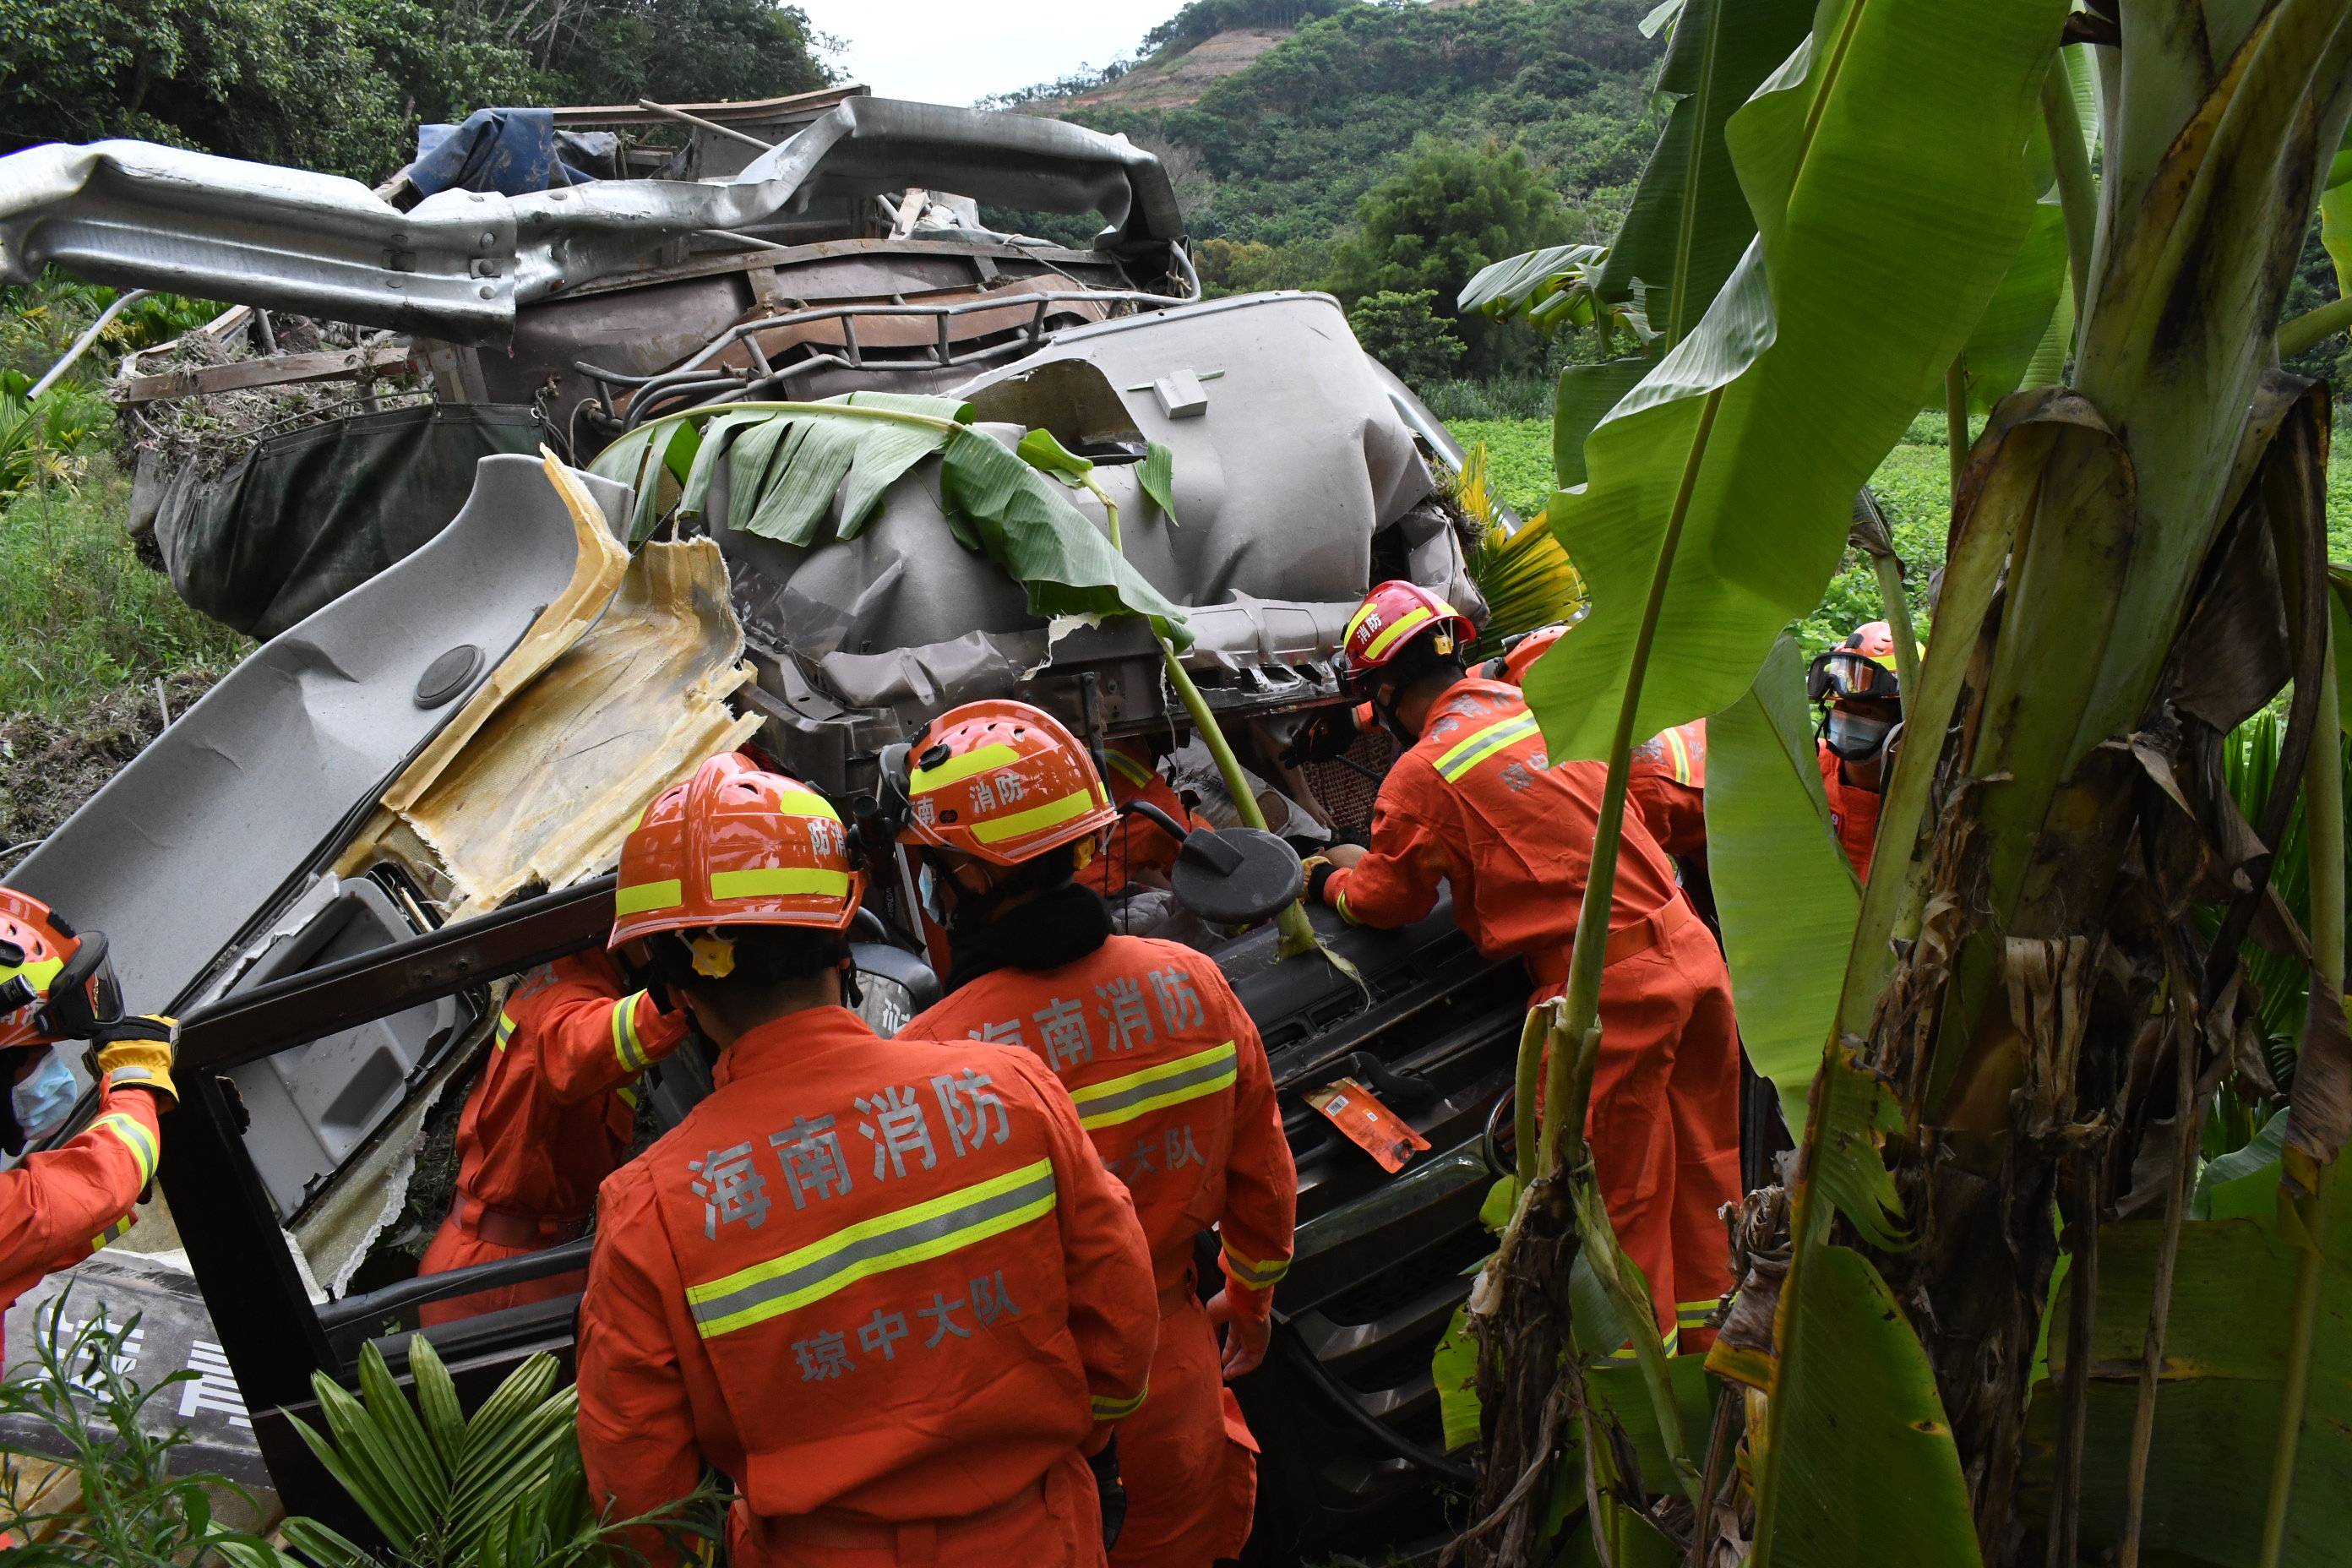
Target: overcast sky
(952, 51)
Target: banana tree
(2029, 1023)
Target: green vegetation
(125, 1508)
(1403, 331)
(341, 85)
(80, 614)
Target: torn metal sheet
(209, 829)
(454, 265)
(599, 565)
(551, 783)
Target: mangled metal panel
(1299, 460)
(184, 847)
(456, 265)
(549, 785)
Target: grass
(79, 614)
(1914, 484)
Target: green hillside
(1279, 153)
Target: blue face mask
(927, 894)
(44, 1096)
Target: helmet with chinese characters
(736, 845)
(35, 946)
(1003, 783)
(1392, 617)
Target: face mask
(1854, 737)
(927, 894)
(44, 1096)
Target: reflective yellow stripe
(1036, 819)
(1669, 1339)
(114, 1232)
(1250, 1272)
(1119, 1099)
(777, 881)
(806, 802)
(1120, 1409)
(626, 1046)
(1412, 620)
(1467, 754)
(996, 754)
(1340, 902)
(135, 1137)
(506, 1028)
(1695, 1314)
(629, 1096)
(1682, 755)
(1135, 772)
(1362, 612)
(949, 1223)
(37, 974)
(646, 896)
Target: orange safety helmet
(53, 983)
(733, 846)
(1861, 667)
(1390, 618)
(1525, 650)
(1002, 782)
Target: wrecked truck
(480, 660)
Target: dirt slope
(1174, 82)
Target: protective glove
(137, 1052)
(1318, 869)
(1111, 1489)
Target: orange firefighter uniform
(1668, 784)
(1475, 802)
(1854, 813)
(551, 1117)
(885, 1285)
(1172, 1083)
(1138, 845)
(63, 1204)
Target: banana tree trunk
(2162, 579)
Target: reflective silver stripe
(1169, 1083)
(946, 1224)
(1250, 1272)
(1480, 744)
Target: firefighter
(62, 1204)
(552, 1116)
(1168, 1072)
(1474, 802)
(1666, 783)
(886, 1286)
(1140, 850)
(1667, 780)
(1861, 707)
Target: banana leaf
(1689, 222)
(2335, 218)
(791, 466)
(1745, 447)
(2217, 1403)
(1860, 1466)
(1587, 392)
(1786, 893)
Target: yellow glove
(136, 1053)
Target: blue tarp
(514, 152)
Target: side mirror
(1234, 876)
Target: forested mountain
(1281, 151)
(341, 85)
